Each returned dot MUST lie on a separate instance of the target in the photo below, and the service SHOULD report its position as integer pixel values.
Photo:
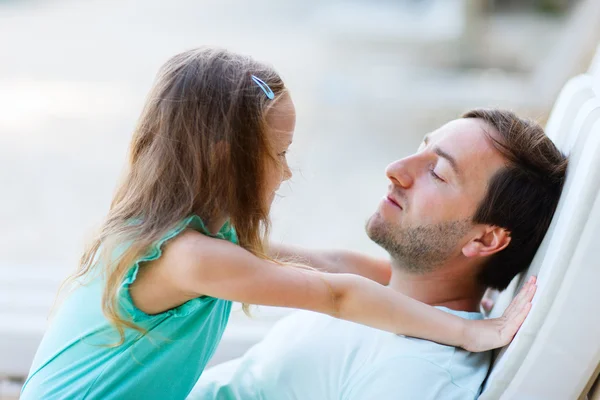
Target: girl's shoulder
(156, 283)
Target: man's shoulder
(410, 364)
(370, 357)
(424, 376)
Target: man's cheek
(434, 202)
(432, 210)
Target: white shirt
(317, 357)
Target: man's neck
(451, 286)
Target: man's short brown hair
(522, 196)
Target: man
(465, 213)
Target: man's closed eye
(436, 176)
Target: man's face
(426, 217)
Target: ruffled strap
(227, 232)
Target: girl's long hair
(199, 148)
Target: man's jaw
(449, 282)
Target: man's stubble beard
(418, 249)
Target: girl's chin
(270, 201)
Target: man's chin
(377, 229)
(372, 223)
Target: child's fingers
(530, 292)
(515, 316)
(525, 300)
(525, 295)
(515, 323)
(513, 304)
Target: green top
(73, 360)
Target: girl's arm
(344, 261)
(193, 265)
(335, 261)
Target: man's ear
(491, 240)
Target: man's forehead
(472, 128)
(466, 140)
(466, 135)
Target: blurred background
(369, 79)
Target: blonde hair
(199, 148)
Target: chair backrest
(552, 260)
(566, 348)
(594, 72)
(570, 100)
(563, 131)
(559, 128)
(594, 69)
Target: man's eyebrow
(451, 160)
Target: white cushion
(595, 64)
(562, 130)
(566, 350)
(551, 264)
(570, 100)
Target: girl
(185, 236)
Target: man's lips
(393, 201)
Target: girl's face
(281, 121)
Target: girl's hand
(487, 334)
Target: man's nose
(400, 173)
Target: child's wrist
(465, 334)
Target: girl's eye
(282, 154)
(435, 176)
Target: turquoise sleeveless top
(73, 360)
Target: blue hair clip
(265, 88)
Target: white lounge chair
(595, 64)
(556, 352)
(570, 100)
